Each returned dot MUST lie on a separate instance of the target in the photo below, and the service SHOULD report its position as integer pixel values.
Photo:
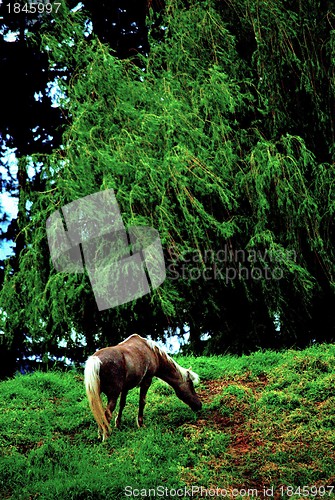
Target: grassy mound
(267, 422)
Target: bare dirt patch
(244, 440)
(212, 389)
(236, 421)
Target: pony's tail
(92, 385)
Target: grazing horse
(134, 362)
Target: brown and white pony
(134, 362)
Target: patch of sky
(56, 94)
(173, 342)
(276, 321)
(38, 96)
(11, 36)
(88, 27)
(9, 201)
(79, 6)
(77, 338)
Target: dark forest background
(213, 121)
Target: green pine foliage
(222, 140)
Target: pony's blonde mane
(183, 371)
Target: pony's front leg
(122, 405)
(143, 393)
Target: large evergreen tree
(223, 144)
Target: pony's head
(186, 392)
(179, 378)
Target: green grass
(268, 420)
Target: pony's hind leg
(143, 393)
(122, 405)
(109, 413)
